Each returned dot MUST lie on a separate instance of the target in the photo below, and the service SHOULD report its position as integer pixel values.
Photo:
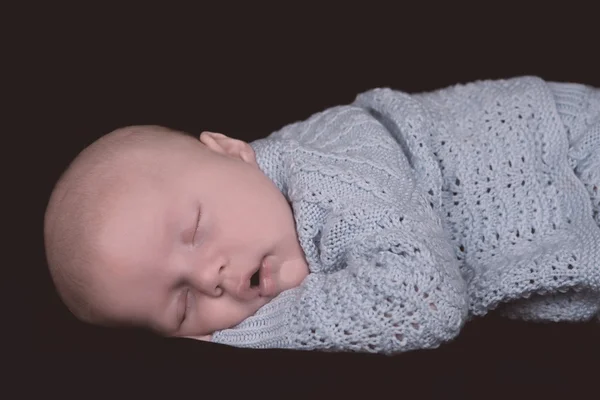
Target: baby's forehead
(140, 157)
(121, 168)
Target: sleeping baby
(379, 226)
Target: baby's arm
(395, 295)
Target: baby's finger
(206, 338)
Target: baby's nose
(210, 280)
(212, 287)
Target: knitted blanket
(417, 212)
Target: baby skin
(154, 228)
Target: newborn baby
(378, 226)
(152, 227)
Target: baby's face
(199, 244)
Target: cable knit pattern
(384, 277)
(419, 211)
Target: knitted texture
(579, 109)
(417, 212)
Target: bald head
(83, 197)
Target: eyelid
(186, 305)
(197, 225)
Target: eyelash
(187, 291)
(187, 306)
(197, 226)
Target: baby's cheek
(293, 273)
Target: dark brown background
(246, 73)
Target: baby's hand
(206, 338)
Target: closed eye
(197, 226)
(186, 306)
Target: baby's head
(152, 227)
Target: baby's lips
(266, 285)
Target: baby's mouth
(255, 279)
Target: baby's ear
(228, 146)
